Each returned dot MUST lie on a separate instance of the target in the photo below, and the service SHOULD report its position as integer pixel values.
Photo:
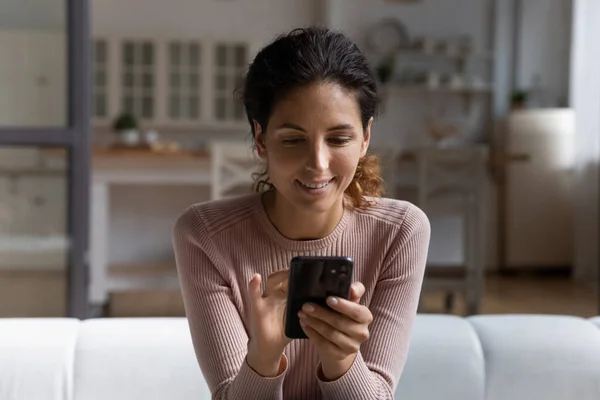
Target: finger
(320, 342)
(338, 321)
(335, 337)
(277, 281)
(254, 290)
(357, 290)
(354, 311)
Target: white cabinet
(33, 68)
(169, 81)
(539, 192)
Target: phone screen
(313, 279)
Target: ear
(366, 138)
(259, 140)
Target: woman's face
(312, 145)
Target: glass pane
(174, 107)
(148, 54)
(33, 63)
(100, 78)
(100, 51)
(220, 109)
(147, 107)
(33, 232)
(194, 108)
(221, 55)
(128, 80)
(128, 53)
(238, 111)
(194, 55)
(240, 56)
(129, 105)
(221, 83)
(147, 81)
(100, 105)
(175, 53)
(194, 82)
(174, 80)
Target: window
(231, 62)
(137, 80)
(100, 71)
(184, 81)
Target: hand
(337, 334)
(267, 323)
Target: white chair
(232, 166)
(452, 181)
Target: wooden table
(131, 167)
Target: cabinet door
(32, 78)
(231, 61)
(138, 78)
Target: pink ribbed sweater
(219, 245)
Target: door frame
(75, 138)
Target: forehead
(318, 103)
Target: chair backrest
(232, 166)
(457, 170)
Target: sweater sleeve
(379, 364)
(218, 333)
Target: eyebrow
(340, 127)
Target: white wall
(585, 97)
(544, 48)
(33, 14)
(254, 20)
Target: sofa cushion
(539, 357)
(445, 361)
(137, 358)
(36, 358)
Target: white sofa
(508, 357)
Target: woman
(310, 98)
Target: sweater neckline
(293, 244)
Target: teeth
(315, 185)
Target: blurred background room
(111, 126)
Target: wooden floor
(43, 295)
(525, 295)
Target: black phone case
(313, 279)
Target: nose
(318, 157)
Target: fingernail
(308, 308)
(301, 315)
(332, 300)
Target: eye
(292, 141)
(339, 141)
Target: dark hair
(303, 57)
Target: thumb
(254, 291)
(356, 292)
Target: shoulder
(211, 217)
(399, 214)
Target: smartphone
(312, 280)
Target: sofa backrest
(513, 357)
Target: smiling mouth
(316, 185)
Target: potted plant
(126, 126)
(518, 99)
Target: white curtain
(585, 99)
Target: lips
(320, 184)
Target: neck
(296, 224)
